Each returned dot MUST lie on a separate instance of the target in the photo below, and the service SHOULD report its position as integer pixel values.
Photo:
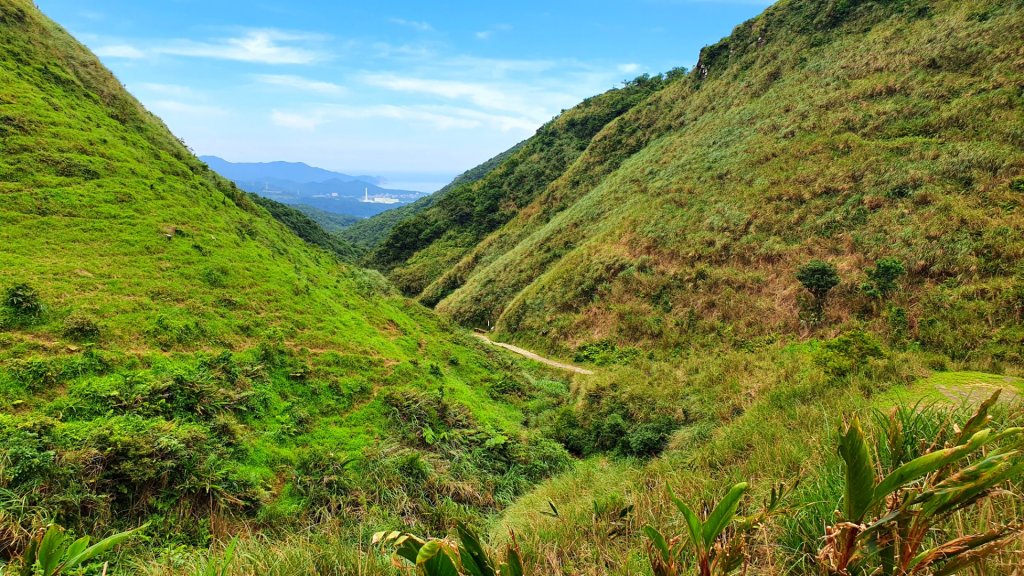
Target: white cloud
(300, 83)
(490, 32)
(92, 15)
(482, 95)
(629, 68)
(265, 46)
(296, 120)
(119, 51)
(439, 117)
(414, 24)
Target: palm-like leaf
(860, 473)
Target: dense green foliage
(819, 278)
(308, 229)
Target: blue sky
(413, 91)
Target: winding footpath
(534, 356)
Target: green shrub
(604, 353)
(882, 278)
(848, 353)
(649, 438)
(591, 432)
(81, 328)
(818, 277)
(23, 303)
(899, 324)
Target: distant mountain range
(299, 183)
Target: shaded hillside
(329, 221)
(846, 131)
(171, 353)
(420, 249)
(372, 231)
(309, 229)
(278, 171)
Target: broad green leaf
(101, 547)
(474, 559)
(428, 551)
(924, 465)
(693, 525)
(77, 547)
(963, 488)
(960, 562)
(441, 564)
(659, 542)
(723, 513)
(408, 547)
(50, 552)
(860, 474)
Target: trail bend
(534, 356)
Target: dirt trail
(533, 356)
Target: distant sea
(420, 182)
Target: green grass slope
(309, 229)
(846, 131)
(329, 221)
(420, 249)
(170, 352)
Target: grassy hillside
(845, 131)
(883, 138)
(420, 249)
(170, 352)
(329, 221)
(309, 229)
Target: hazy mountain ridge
(372, 231)
(279, 171)
(298, 183)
